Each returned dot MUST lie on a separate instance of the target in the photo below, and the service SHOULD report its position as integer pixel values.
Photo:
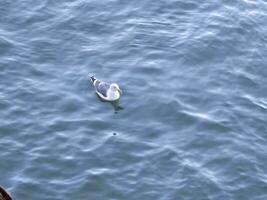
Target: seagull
(106, 91)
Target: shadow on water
(115, 104)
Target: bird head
(115, 87)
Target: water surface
(193, 124)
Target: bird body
(106, 91)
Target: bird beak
(119, 90)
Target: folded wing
(102, 87)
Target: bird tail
(92, 78)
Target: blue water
(193, 124)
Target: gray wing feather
(102, 87)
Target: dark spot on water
(114, 134)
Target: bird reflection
(115, 104)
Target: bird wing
(102, 87)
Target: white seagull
(106, 91)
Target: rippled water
(193, 123)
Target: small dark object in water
(114, 133)
(4, 195)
